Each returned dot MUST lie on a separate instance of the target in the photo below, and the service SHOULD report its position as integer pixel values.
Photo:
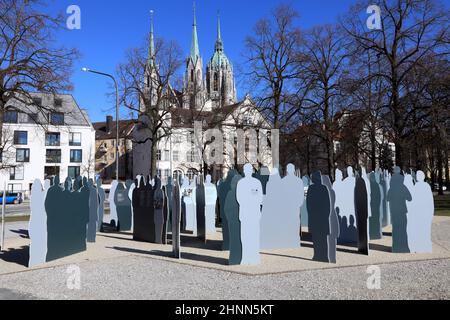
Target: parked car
(12, 198)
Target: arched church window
(216, 82)
(192, 75)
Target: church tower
(151, 70)
(219, 76)
(194, 85)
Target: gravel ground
(144, 278)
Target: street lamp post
(117, 114)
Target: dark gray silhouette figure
(84, 195)
(231, 211)
(319, 209)
(77, 183)
(123, 207)
(101, 204)
(93, 212)
(223, 189)
(375, 230)
(334, 221)
(158, 200)
(143, 207)
(176, 220)
(362, 214)
(58, 241)
(397, 196)
(200, 210)
(168, 189)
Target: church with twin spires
(208, 95)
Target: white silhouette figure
(269, 219)
(38, 225)
(249, 195)
(420, 219)
(210, 205)
(189, 201)
(409, 184)
(347, 201)
(112, 205)
(289, 210)
(339, 189)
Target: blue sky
(109, 28)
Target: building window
(191, 173)
(76, 156)
(53, 156)
(37, 101)
(53, 139)
(21, 138)
(216, 81)
(23, 155)
(16, 173)
(166, 155)
(74, 172)
(58, 103)
(33, 118)
(10, 116)
(57, 118)
(191, 156)
(50, 172)
(158, 155)
(176, 155)
(75, 139)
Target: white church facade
(209, 96)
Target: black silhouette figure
(319, 209)
(351, 229)
(58, 241)
(231, 211)
(397, 196)
(158, 200)
(176, 220)
(375, 227)
(222, 191)
(143, 208)
(362, 214)
(200, 208)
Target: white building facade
(50, 137)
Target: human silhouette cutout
(222, 190)
(289, 210)
(210, 205)
(200, 209)
(375, 221)
(362, 214)
(158, 200)
(397, 196)
(144, 217)
(409, 184)
(249, 195)
(304, 209)
(231, 211)
(420, 219)
(184, 192)
(176, 220)
(114, 219)
(319, 209)
(339, 191)
(123, 207)
(271, 222)
(101, 204)
(385, 184)
(168, 214)
(334, 221)
(191, 210)
(37, 229)
(346, 201)
(93, 212)
(83, 221)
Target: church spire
(219, 43)
(151, 47)
(195, 52)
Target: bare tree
(145, 88)
(29, 60)
(273, 59)
(410, 30)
